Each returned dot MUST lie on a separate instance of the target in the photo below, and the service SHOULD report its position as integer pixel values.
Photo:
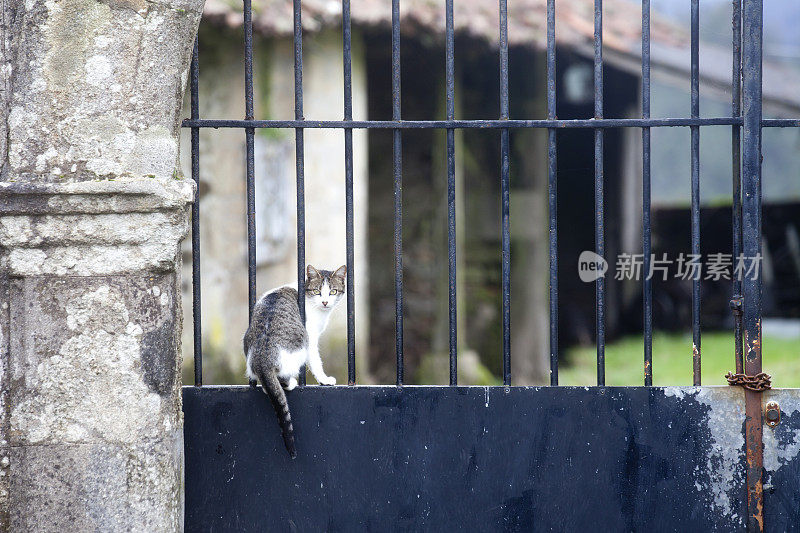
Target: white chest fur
(316, 322)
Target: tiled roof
(480, 18)
(527, 26)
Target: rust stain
(753, 346)
(759, 516)
(755, 458)
(748, 346)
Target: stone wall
(92, 210)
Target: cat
(277, 343)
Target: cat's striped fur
(277, 343)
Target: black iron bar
(736, 171)
(780, 123)
(752, 37)
(746, 210)
(300, 167)
(482, 124)
(695, 156)
(196, 318)
(451, 192)
(552, 167)
(647, 286)
(250, 141)
(348, 193)
(397, 152)
(599, 235)
(505, 196)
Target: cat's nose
(325, 304)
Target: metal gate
(506, 458)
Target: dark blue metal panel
(782, 463)
(467, 458)
(782, 506)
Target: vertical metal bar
(505, 196)
(695, 155)
(348, 166)
(647, 287)
(695, 149)
(451, 190)
(250, 140)
(752, 34)
(397, 152)
(196, 318)
(736, 171)
(552, 167)
(300, 168)
(599, 235)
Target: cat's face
(325, 289)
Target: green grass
(672, 361)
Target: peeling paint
(724, 461)
(722, 471)
(779, 451)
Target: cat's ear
(312, 272)
(341, 272)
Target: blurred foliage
(219, 368)
(672, 360)
(434, 369)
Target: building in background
(222, 192)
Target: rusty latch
(773, 414)
(759, 382)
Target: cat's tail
(272, 386)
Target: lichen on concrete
(93, 228)
(92, 212)
(98, 487)
(98, 95)
(88, 380)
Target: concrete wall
(92, 210)
(223, 233)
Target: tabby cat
(277, 344)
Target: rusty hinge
(760, 382)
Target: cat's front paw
(327, 380)
(292, 384)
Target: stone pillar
(92, 210)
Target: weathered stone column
(92, 210)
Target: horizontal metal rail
(780, 123)
(478, 124)
(487, 124)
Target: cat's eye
(334, 291)
(315, 291)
